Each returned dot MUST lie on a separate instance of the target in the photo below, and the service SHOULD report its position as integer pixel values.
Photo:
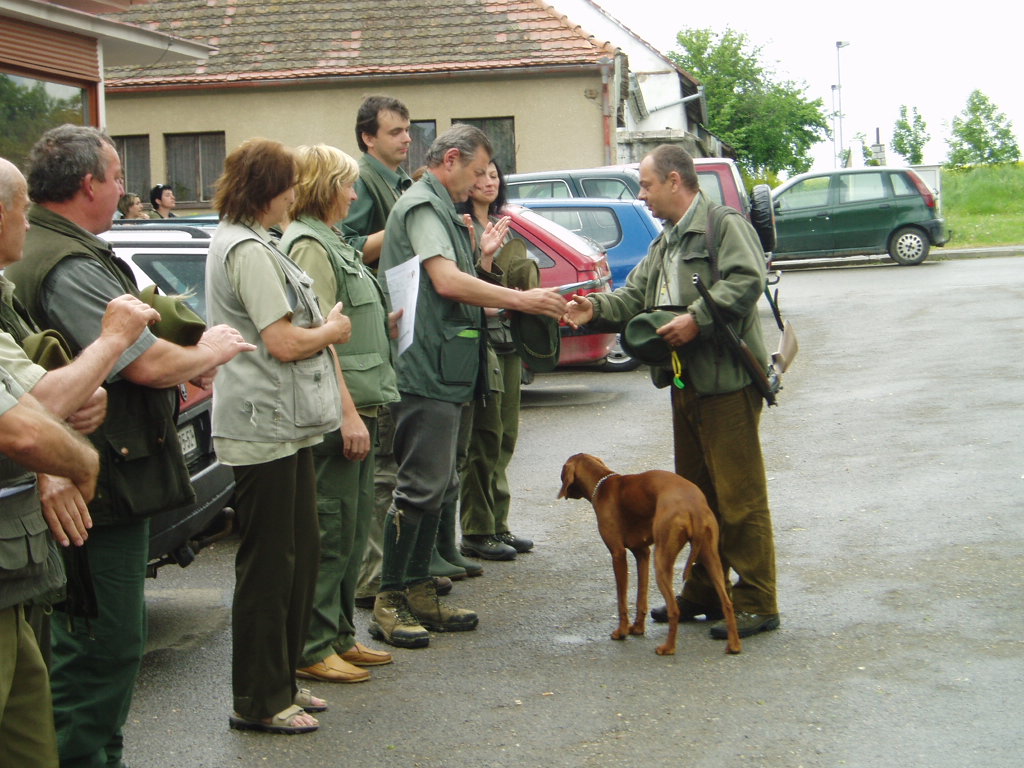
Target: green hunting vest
(448, 351)
(142, 469)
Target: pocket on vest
(460, 355)
(315, 391)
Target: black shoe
(688, 611)
(748, 624)
(517, 543)
(487, 547)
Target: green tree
(771, 125)
(909, 135)
(982, 135)
(26, 112)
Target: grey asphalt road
(896, 470)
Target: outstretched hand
(578, 311)
(225, 343)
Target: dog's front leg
(643, 575)
(621, 570)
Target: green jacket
(366, 358)
(708, 365)
(138, 442)
(448, 351)
(378, 189)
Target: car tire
(908, 246)
(618, 360)
(762, 215)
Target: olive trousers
(344, 507)
(718, 448)
(484, 495)
(27, 737)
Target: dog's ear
(568, 475)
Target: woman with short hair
(269, 410)
(344, 461)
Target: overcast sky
(924, 55)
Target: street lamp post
(840, 44)
(835, 136)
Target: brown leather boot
(393, 623)
(433, 614)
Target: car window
(809, 193)
(711, 185)
(902, 186)
(547, 189)
(610, 188)
(861, 187)
(543, 260)
(599, 224)
(178, 274)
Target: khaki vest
(257, 398)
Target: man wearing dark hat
(715, 406)
(161, 197)
(438, 373)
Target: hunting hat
(537, 340)
(521, 272)
(47, 349)
(640, 338)
(178, 322)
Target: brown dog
(632, 512)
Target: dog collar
(597, 486)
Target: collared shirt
(363, 218)
(670, 290)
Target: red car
(565, 258)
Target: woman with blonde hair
(269, 410)
(344, 462)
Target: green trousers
(718, 448)
(27, 737)
(95, 664)
(344, 507)
(484, 496)
(385, 468)
(275, 577)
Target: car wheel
(908, 246)
(618, 360)
(762, 215)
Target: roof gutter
(124, 44)
(206, 82)
(606, 108)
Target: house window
(32, 106)
(194, 163)
(502, 133)
(423, 133)
(134, 154)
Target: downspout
(606, 108)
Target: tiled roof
(266, 40)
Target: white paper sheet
(404, 287)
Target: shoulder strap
(711, 242)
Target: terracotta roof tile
(286, 39)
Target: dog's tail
(691, 558)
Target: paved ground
(896, 470)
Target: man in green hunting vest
(65, 281)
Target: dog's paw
(619, 634)
(638, 629)
(665, 650)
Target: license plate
(187, 438)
